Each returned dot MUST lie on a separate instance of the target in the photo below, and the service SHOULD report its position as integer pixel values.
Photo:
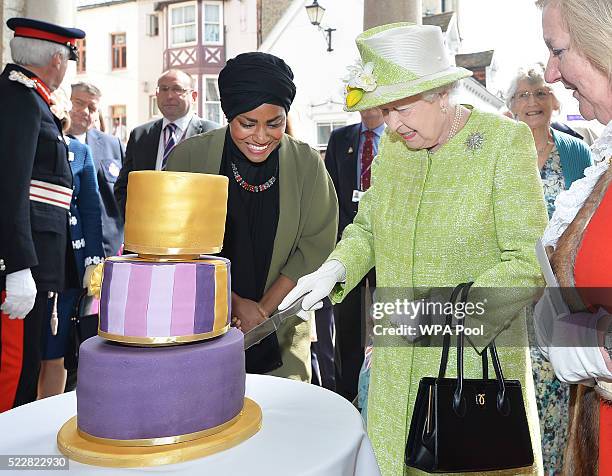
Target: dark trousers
(20, 355)
(349, 319)
(322, 351)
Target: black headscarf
(252, 79)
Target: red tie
(367, 155)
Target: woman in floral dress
(561, 160)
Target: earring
(444, 109)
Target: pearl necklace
(454, 128)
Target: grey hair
(86, 87)
(533, 75)
(34, 52)
(432, 94)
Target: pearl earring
(444, 109)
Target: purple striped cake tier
(147, 302)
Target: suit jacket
(108, 155)
(33, 231)
(142, 147)
(341, 163)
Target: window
(183, 29)
(82, 62)
(153, 109)
(118, 51)
(119, 122)
(324, 130)
(212, 23)
(152, 25)
(212, 102)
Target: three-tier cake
(164, 380)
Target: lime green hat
(398, 60)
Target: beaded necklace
(253, 188)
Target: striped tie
(169, 142)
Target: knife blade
(271, 324)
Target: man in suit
(348, 159)
(35, 196)
(108, 156)
(150, 144)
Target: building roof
(85, 4)
(481, 59)
(440, 19)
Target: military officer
(35, 194)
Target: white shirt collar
(182, 122)
(81, 137)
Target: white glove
(575, 354)
(20, 294)
(87, 276)
(315, 286)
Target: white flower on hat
(361, 76)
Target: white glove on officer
(575, 354)
(315, 286)
(20, 294)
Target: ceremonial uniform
(35, 195)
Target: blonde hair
(589, 24)
(61, 107)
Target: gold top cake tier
(175, 213)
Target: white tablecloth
(306, 431)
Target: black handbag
(83, 325)
(465, 425)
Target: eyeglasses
(538, 95)
(175, 89)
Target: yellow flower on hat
(353, 96)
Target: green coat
(307, 225)
(439, 219)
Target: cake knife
(271, 324)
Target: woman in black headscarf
(282, 209)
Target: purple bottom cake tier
(140, 393)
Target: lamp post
(315, 14)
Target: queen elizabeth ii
(455, 197)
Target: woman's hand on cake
(246, 312)
(237, 323)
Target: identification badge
(357, 194)
(70, 156)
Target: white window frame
(152, 24)
(153, 107)
(330, 122)
(205, 79)
(219, 5)
(176, 6)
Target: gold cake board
(77, 448)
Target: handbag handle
(446, 339)
(462, 290)
(77, 305)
